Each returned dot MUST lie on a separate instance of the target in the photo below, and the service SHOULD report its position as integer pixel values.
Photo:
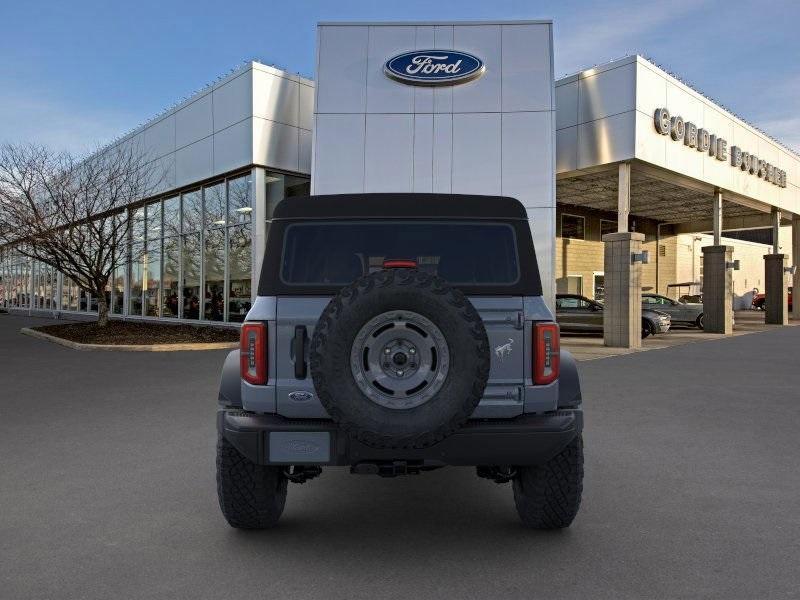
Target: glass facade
(189, 257)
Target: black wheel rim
(400, 359)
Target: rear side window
(469, 254)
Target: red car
(760, 299)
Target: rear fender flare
(569, 383)
(230, 383)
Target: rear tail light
(253, 353)
(546, 348)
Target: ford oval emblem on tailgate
(434, 67)
(300, 396)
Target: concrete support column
(717, 289)
(622, 313)
(623, 197)
(776, 289)
(796, 263)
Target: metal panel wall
(194, 121)
(256, 115)
(493, 135)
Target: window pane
(135, 300)
(572, 227)
(107, 294)
(65, 294)
(137, 225)
(190, 257)
(192, 211)
(119, 290)
(169, 307)
(607, 227)
(214, 303)
(48, 290)
(36, 291)
(240, 210)
(215, 205)
(276, 191)
(297, 186)
(152, 278)
(336, 254)
(74, 300)
(239, 271)
(153, 220)
(172, 216)
(599, 287)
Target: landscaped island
(133, 333)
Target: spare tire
(400, 359)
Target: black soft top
(382, 206)
(399, 206)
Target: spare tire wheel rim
(400, 359)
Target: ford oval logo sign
(434, 67)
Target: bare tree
(70, 213)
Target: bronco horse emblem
(504, 350)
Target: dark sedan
(579, 314)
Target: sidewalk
(590, 347)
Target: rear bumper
(525, 440)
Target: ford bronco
(395, 334)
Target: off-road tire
(251, 496)
(431, 297)
(549, 496)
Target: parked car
(395, 334)
(683, 313)
(579, 314)
(759, 300)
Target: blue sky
(75, 74)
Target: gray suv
(395, 334)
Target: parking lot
(107, 489)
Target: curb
(129, 347)
(631, 352)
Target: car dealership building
(630, 178)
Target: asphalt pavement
(692, 490)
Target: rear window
(335, 254)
